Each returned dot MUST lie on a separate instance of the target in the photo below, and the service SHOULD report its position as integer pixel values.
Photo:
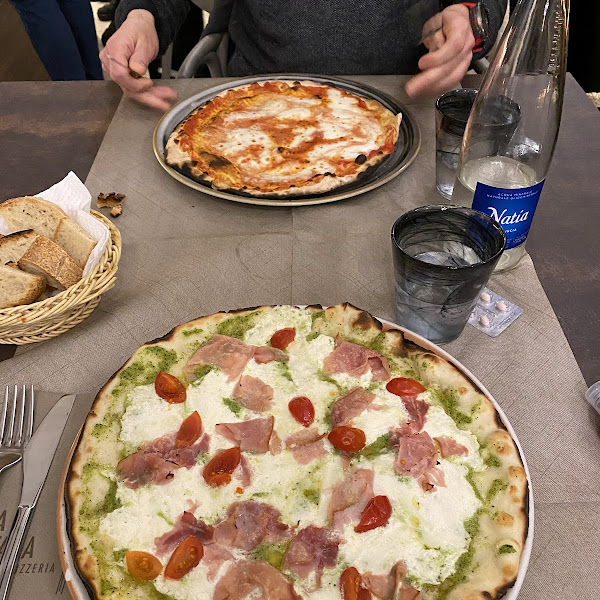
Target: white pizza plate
(79, 591)
(405, 151)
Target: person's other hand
(450, 52)
(135, 43)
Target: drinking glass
(452, 111)
(443, 257)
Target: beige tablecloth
(186, 254)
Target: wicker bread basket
(48, 318)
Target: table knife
(37, 458)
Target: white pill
(484, 321)
(485, 297)
(501, 306)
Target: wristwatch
(479, 23)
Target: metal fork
(16, 424)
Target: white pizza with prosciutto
(281, 453)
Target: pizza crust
(231, 174)
(503, 523)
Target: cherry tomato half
(347, 438)
(376, 514)
(218, 471)
(283, 338)
(189, 431)
(404, 386)
(186, 556)
(142, 565)
(302, 410)
(351, 586)
(169, 388)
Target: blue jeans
(63, 34)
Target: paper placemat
(38, 570)
(186, 254)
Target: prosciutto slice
(391, 586)
(244, 472)
(256, 579)
(350, 497)
(306, 445)
(313, 549)
(265, 354)
(417, 457)
(249, 524)
(251, 436)
(186, 525)
(253, 393)
(356, 360)
(214, 556)
(450, 447)
(350, 405)
(228, 354)
(156, 461)
(417, 409)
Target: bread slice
(18, 287)
(74, 240)
(47, 259)
(29, 212)
(14, 245)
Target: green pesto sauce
(195, 331)
(317, 315)
(493, 461)
(109, 566)
(507, 549)
(234, 407)
(237, 326)
(378, 344)
(312, 336)
(144, 370)
(497, 486)
(324, 377)
(100, 430)
(284, 370)
(260, 494)
(111, 502)
(164, 517)
(464, 560)
(119, 554)
(201, 372)
(449, 401)
(380, 446)
(471, 479)
(312, 495)
(272, 553)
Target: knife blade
(40, 451)
(37, 458)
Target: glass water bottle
(511, 133)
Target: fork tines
(16, 420)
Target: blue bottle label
(512, 208)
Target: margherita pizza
(281, 453)
(282, 138)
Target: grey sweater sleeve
(495, 9)
(168, 16)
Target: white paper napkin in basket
(73, 197)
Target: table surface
(326, 253)
(49, 128)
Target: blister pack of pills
(493, 314)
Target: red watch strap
(478, 42)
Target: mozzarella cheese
(426, 529)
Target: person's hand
(450, 52)
(135, 43)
